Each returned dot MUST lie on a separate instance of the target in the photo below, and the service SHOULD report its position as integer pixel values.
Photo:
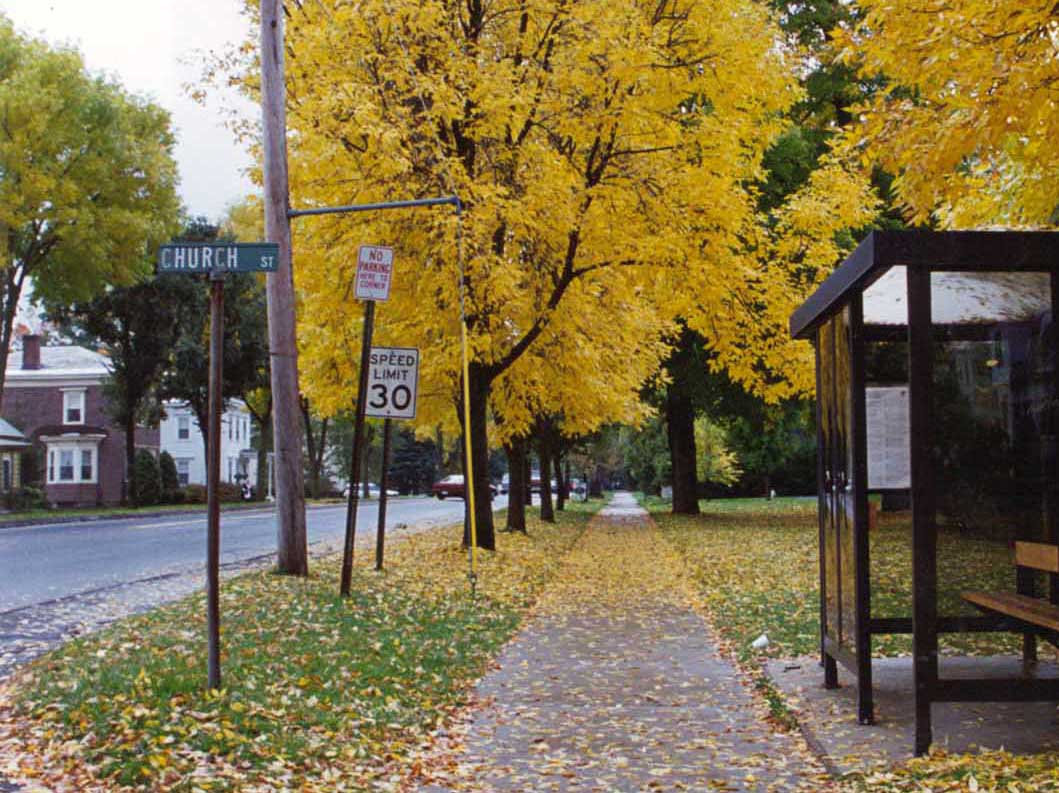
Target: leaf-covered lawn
(993, 771)
(320, 693)
(756, 567)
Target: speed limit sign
(393, 380)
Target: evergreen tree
(413, 463)
(146, 481)
(168, 471)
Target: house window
(183, 427)
(74, 407)
(66, 465)
(7, 473)
(72, 463)
(183, 472)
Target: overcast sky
(152, 47)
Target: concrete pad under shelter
(829, 717)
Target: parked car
(373, 491)
(535, 484)
(453, 486)
(505, 484)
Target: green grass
(312, 682)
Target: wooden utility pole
(293, 556)
(384, 482)
(213, 478)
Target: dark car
(452, 486)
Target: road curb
(254, 507)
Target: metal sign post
(215, 260)
(373, 279)
(213, 476)
(384, 483)
(457, 205)
(393, 385)
(353, 498)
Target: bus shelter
(937, 387)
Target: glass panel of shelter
(993, 416)
(994, 423)
(844, 496)
(835, 392)
(826, 395)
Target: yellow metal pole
(469, 484)
(467, 447)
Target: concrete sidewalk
(617, 685)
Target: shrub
(32, 466)
(195, 494)
(24, 499)
(228, 492)
(167, 467)
(146, 479)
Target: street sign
(374, 272)
(206, 257)
(393, 382)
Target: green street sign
(204, 257)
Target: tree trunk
(12, 293)
(129, 494)
(680, 429)
(366, 461)
(545, 453)
(292, 539)
(516, 494)
(264, 444)
(479, 433)
(560, 496)
(204, 426)
(527, 473)
(316, 446)
(595, 485)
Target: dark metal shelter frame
(970, 319)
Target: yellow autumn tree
(968, 119)
(792, 251)
(597, 147)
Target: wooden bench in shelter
(1033, 611)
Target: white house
(180, 436)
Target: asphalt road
(47, 562)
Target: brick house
(54, 395)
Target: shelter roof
(975, 286)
